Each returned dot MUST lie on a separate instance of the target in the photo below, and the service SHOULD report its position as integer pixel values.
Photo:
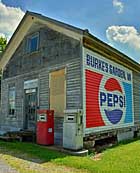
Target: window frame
(28, 43)
(13, 100)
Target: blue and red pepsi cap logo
(112, 100)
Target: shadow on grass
(29, 151)
(101, 149)
(40, 154)
(128, 141)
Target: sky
(115, 22)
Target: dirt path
(30, 164)
(5, 168)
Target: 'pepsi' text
(112, 100)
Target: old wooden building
(51, 65)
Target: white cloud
(118, 5)
(127, 35)
(9, 19)
(2, 35)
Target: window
(11, 99)
(32, 43)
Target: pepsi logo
(112, 100)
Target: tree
(3, 43)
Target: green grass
(33, 150)
(121, 158)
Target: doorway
(58, 102)
(30, 109)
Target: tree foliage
(3, 43)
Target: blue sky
(115, 22)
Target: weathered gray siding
(5, 121)
(74, 96)
(56, 51)
(136, 97)
(73, 92)
(58, 130)
(15, 122)
(44, 89)
(73, 84)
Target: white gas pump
(73, 129)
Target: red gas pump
(45, 127)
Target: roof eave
(123, 58)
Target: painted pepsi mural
(108, 93)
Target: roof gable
(26, 23)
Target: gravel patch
(5, 168)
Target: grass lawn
(27, 157)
